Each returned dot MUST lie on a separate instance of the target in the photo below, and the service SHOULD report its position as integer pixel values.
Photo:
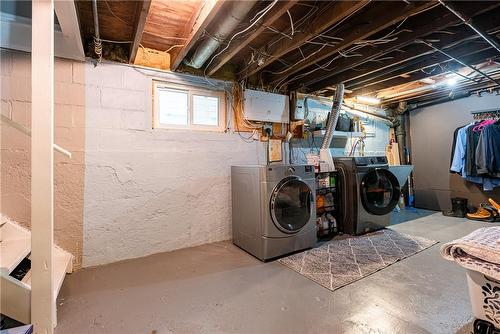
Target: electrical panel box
(266, 107)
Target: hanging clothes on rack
(475, 151)
(487, 155)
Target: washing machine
(273, 209)
(369, 192)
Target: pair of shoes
(485, 212)
(458, 208)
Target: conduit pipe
(468, 22)
(97, 37)
(237, 13)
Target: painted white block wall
(149, 191)
(144, 191)
(155, 190)
(375, 144)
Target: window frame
(191, 91)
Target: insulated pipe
(401, 131)
(334, 116)
(468, 22)
(238, 11)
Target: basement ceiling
(372, 47)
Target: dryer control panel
(365, 161)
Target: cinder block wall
(150, 191)
(15, 162)
(129, 190)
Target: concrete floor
(408, 214)
(218, 288)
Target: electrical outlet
(267, 129)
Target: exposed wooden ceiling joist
(409, 57)
(194, 29)
(281, 8)
(377, 36)
(376, 18)
(420, 64)
(321, 79)
(139, 28)
(395, 81)
(322, 21)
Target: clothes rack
(485, 114)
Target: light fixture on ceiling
(451, 81)
(368, 99)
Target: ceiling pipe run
(444, 99)
(468, 22)
(238, 11)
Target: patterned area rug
(342, 261)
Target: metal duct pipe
(237, 13)
(97, 37)
(334, 116)
(468, 22)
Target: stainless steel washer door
(291, 204)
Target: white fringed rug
(343, 261)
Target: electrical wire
(267, 9)
(291, 22)
(113, 13)
(382, 40)
(117, 42)
(174, 46)
(313, 9)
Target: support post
(42, 191)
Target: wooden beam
(418, 64)
(380, 18)
(432, 95)
(194, 29)
(139, 28)
(407, 59)
(398, 80)
(324, 19)
(433, 22)
(43, 310)
(278, 11)
(437, 20)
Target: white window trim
(191, 90)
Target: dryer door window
(379, 191)
(290, 205)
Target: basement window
(186, 107)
